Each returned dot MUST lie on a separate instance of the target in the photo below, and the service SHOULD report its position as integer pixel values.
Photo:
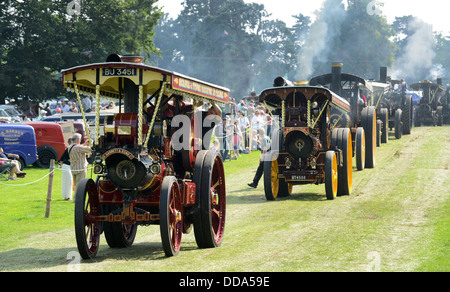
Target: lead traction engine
(141, 179)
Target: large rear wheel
(369, 123)
(407, 115)
(384, 116)
(360, 149)
(398, 124)
(345, 176)
(209, 222)
(87, 228)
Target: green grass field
(397, 219)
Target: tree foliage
(39, 38)
(228, 42)
(238, 45)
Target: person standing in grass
(66, 176)
(264, 147)
(78, 161)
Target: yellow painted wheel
(271, 181)
(346, 171)
(331, 175)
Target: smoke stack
(132, 59)
(280, 82)
(439, 81)
(383, 74)
(336, 70)
(113, 58)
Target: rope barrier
(38, 180)
(21, 185)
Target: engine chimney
(336, 70)
(383, 74)
(280, 82)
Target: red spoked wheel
(209, 220)
(170, 216)
(87, 228)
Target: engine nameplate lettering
(118, 151)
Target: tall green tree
(365, 41)
(39, 38)
(230, 43)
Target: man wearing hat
(42, 114)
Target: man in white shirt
(65, 107)
(244, 125)
(257, 122)
(86, 104)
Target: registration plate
(119, 72)
(298, 177)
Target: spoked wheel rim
(87, 228)
(274, 178)
(217, 200)
(171, 216)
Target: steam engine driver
(175, 105)
(184, 108)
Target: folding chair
(5, 168)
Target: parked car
(15, 113)
(90, 120)
(50, 142)
(78, 127)
(4, 117)
(21, 140)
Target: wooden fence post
(50, 188)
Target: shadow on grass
(22, 259)
(256, 196)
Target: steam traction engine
(394, 106)
(429, 111)
(304, 150)
(361, 119)
(152, 160)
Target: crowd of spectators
(242, 129)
